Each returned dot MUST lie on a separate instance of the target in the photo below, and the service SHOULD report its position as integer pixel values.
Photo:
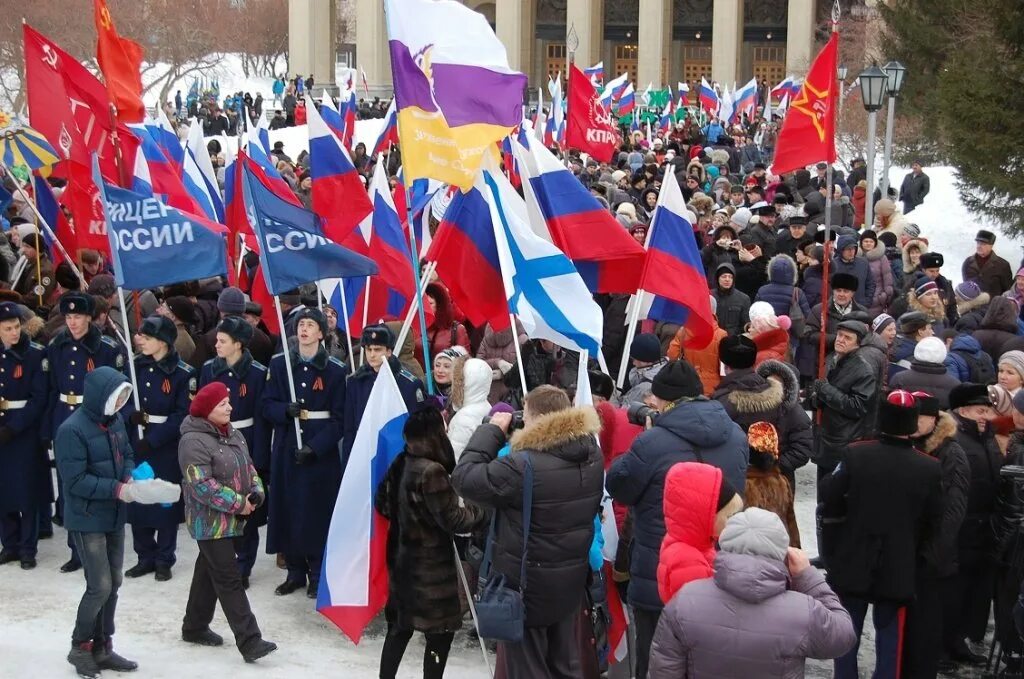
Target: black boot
(288, 586)
(163, 573)
(8, 556)
(139, 569)
(257, 648)
(206, 637)
(84, 662)
(70, 566)
(311, 589)
(106, 659)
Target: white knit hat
(930, 350)
(756, 532)
(762, 316)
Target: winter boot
(83, 661)
(206, 637)
(106, 659)
(257, 648)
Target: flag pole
(127, 339)
(634, 317)
(366, 312)
(407, 323)
(519, 354)
(348, 326)
(472, 608)
(287, 364)
(414, 259)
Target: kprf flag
(152, 244)
(541, 284)
(808, 133)
(120, 60)
(338, 192)
(354, 575)
(588, 124)
(456, 95)
(293, 248)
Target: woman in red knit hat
(221, 488)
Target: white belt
(12, 405)
(72, 400)
(314, 415)
(243, 424)
(156, 419)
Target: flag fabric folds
(338, 192)
(595, 73)
(562, 211)
(808, 133)
(120, 60)
(707, 97)
(456, 95)
(673, 270)
(293, 249)
(153, 244)
(588, 124)
(389, 133)
(354, 577)
(541, 284)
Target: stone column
(587, 17)
(726, 40)
(654, 41)
(311, 40)
(799, 36)
(372, 45)
(516, 28)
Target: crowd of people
(914, 385)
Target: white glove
(151, 492)
(504, 366)
(496, 375)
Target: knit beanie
(756, 532)
(1014, 359)
(764, 438)
(676, 380)
(646, 348)
(207, 398)
(725, 494)
(967, 291)
(881, 322)
(1001, 399)
(231, 301)
(762, 317)
(930, 350)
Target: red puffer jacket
(688, 550)
(617, 434)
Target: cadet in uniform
(166, 385)
(305, 479)
(23, 400)
(377, 342)
(245, 378)
(76, 350)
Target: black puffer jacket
(808, 361)
(848, 399)
(733, 306)
(770, 395)
(928, 377)
(692, 431)
(568, 470)
(941, 552)
(417, 497)
(977, 538)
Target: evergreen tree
(965, 77)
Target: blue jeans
(888, 630)
(102, 556)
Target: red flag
(120, 59)
(809, 131)
(589, 127)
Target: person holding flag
(305, 468)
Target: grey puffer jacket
(744, 622)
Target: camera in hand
(637, 413)
(1012, 471)
(517, 421)
(254, 499)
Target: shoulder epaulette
(109, 342)
(407, 375)
(34, 345)
(260, 366)
(337, 361)
(186, 367)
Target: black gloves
(138, 418)
(305, 455)
(292, 410)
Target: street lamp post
(872, 90)
(842, 71)
(894, 71)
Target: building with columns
(657, 41)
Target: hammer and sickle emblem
(49, 57)
(105, 18)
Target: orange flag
(120, 61)
(809, 131)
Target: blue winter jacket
(692, 431)
(94, 457)
(778, 291)
(956, 364)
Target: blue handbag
(500, 608)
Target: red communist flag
(120, 60)
(809, 131)
(588, 126)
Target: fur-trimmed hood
(773, 370)
(33, 327)
(945, 428)
(782, 269)
(556, 429)
(920, 243)
(750, 392)
(875, 253)
(964, 306)
(471, 381)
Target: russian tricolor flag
(613, 90)
(389, 134)
(563, 212)
(627, 102)
(595, 73)
(163, 134)
(684, 94)
(330, 115)
(338, 192)
(708, 97)
(354, 576)
(745, 101)
(673, 271)
(665, 120)
(163, 177)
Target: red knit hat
(207, 399)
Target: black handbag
(500, 608)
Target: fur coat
(770, 491)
